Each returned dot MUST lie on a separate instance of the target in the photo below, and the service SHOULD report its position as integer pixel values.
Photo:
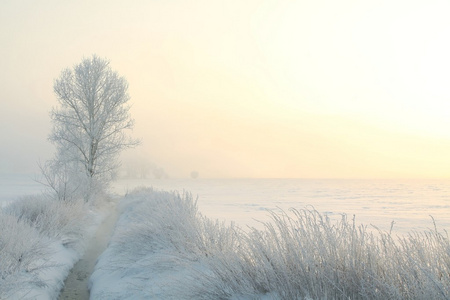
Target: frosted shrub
(59, 220)
(65, 183)
(21, 252)
(170, 220)
(40, 240)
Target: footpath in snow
(76, 284)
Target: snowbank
(163, 248)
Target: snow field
(40, 240)
(163, 248)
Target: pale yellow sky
(307, 89)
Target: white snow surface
(407, 202)
(164, 248)
(15, 186)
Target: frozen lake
(409, 203)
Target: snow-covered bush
(174, 222)
(170, 221)
(40, 240)
(59, 220)
(21, 250)
(66, 182)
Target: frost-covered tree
(90, 124)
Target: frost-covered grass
(40, 240)
(305, 255)
(159, 240)
(164, 248)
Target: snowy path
(76, 284)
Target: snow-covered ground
(163, 248)
(409, 203)
(244, 201)
(15, 186)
